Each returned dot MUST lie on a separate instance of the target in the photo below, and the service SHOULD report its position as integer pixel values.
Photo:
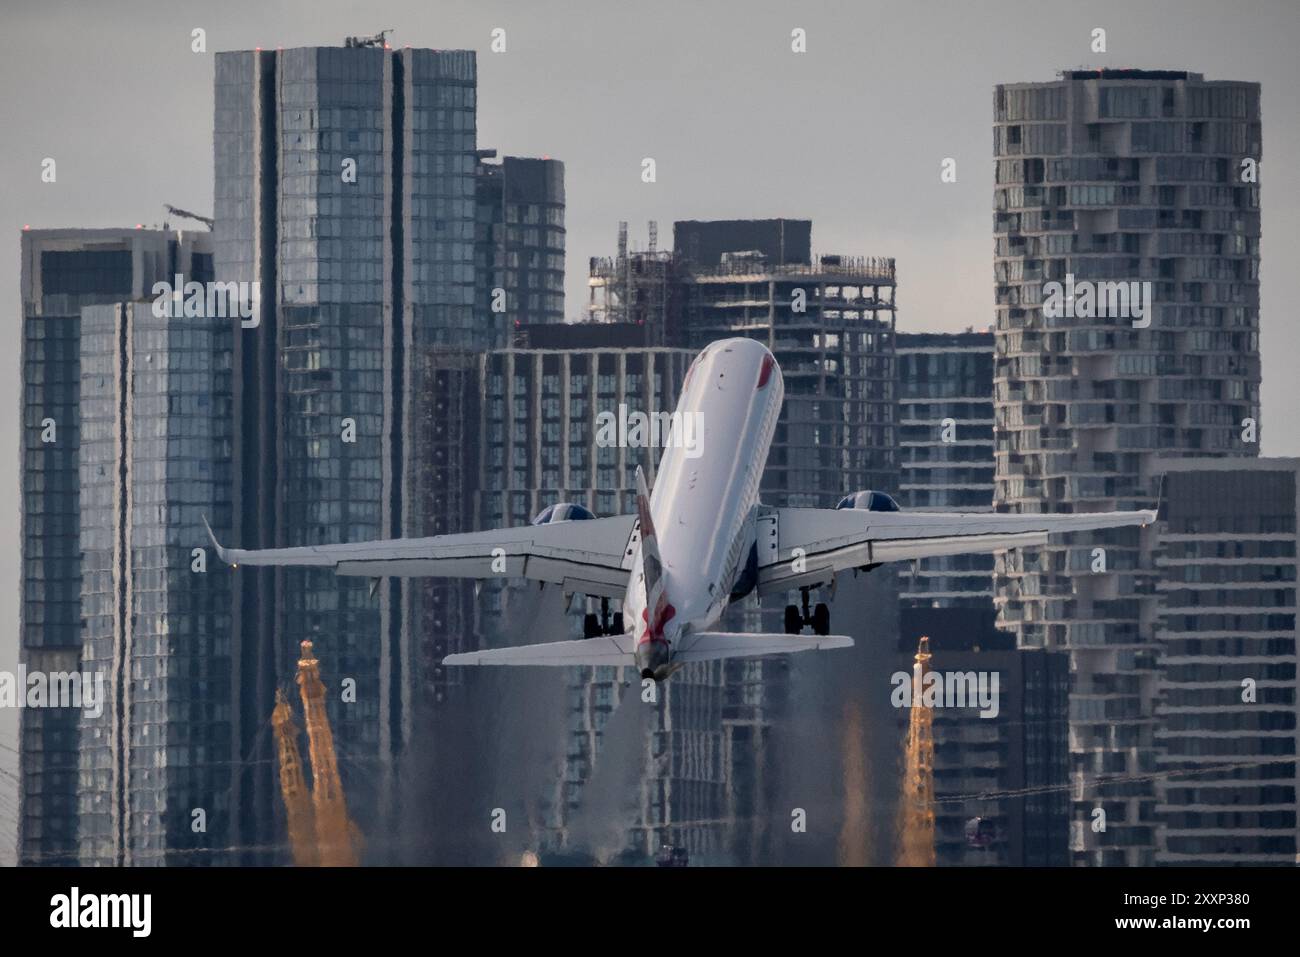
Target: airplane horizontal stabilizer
(612, 650)
(617, 650)
(708, 645)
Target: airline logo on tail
(658, 612)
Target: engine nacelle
(870, 501)
(562, 512)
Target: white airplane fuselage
(703, 496)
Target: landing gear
(594, 626)
(796, 618)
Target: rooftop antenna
(378, 40)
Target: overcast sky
(849, 134)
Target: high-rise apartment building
(63, 271)
(1136, 192)
(1226, 692)
(154, 779)
(945, 449)
(519, 242)
(345, 187)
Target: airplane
(700, 542)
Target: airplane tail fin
(658, 610)
(649, 540)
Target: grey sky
(849, 134)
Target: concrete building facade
(1135, 192)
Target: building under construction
(637, 287)
(828, 319)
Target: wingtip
(221, 552)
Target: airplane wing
(591, 556)
(806, 546)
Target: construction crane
(293, 785)
(320, 831)
(186, 214)
(335, 833)
(916, 807)
(378, 40)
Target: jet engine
(870, 501)
(562, 512)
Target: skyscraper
(830, 323)
(64, 270)
(1226, 694)
(945, 447)
(831, 326)
(154, 785)
(519, 242)
(1136, 192)
(345, 187)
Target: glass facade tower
(345, 187)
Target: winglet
(221, 552)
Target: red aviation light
(766, 372)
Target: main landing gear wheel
(594, 626)
(796, 617)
